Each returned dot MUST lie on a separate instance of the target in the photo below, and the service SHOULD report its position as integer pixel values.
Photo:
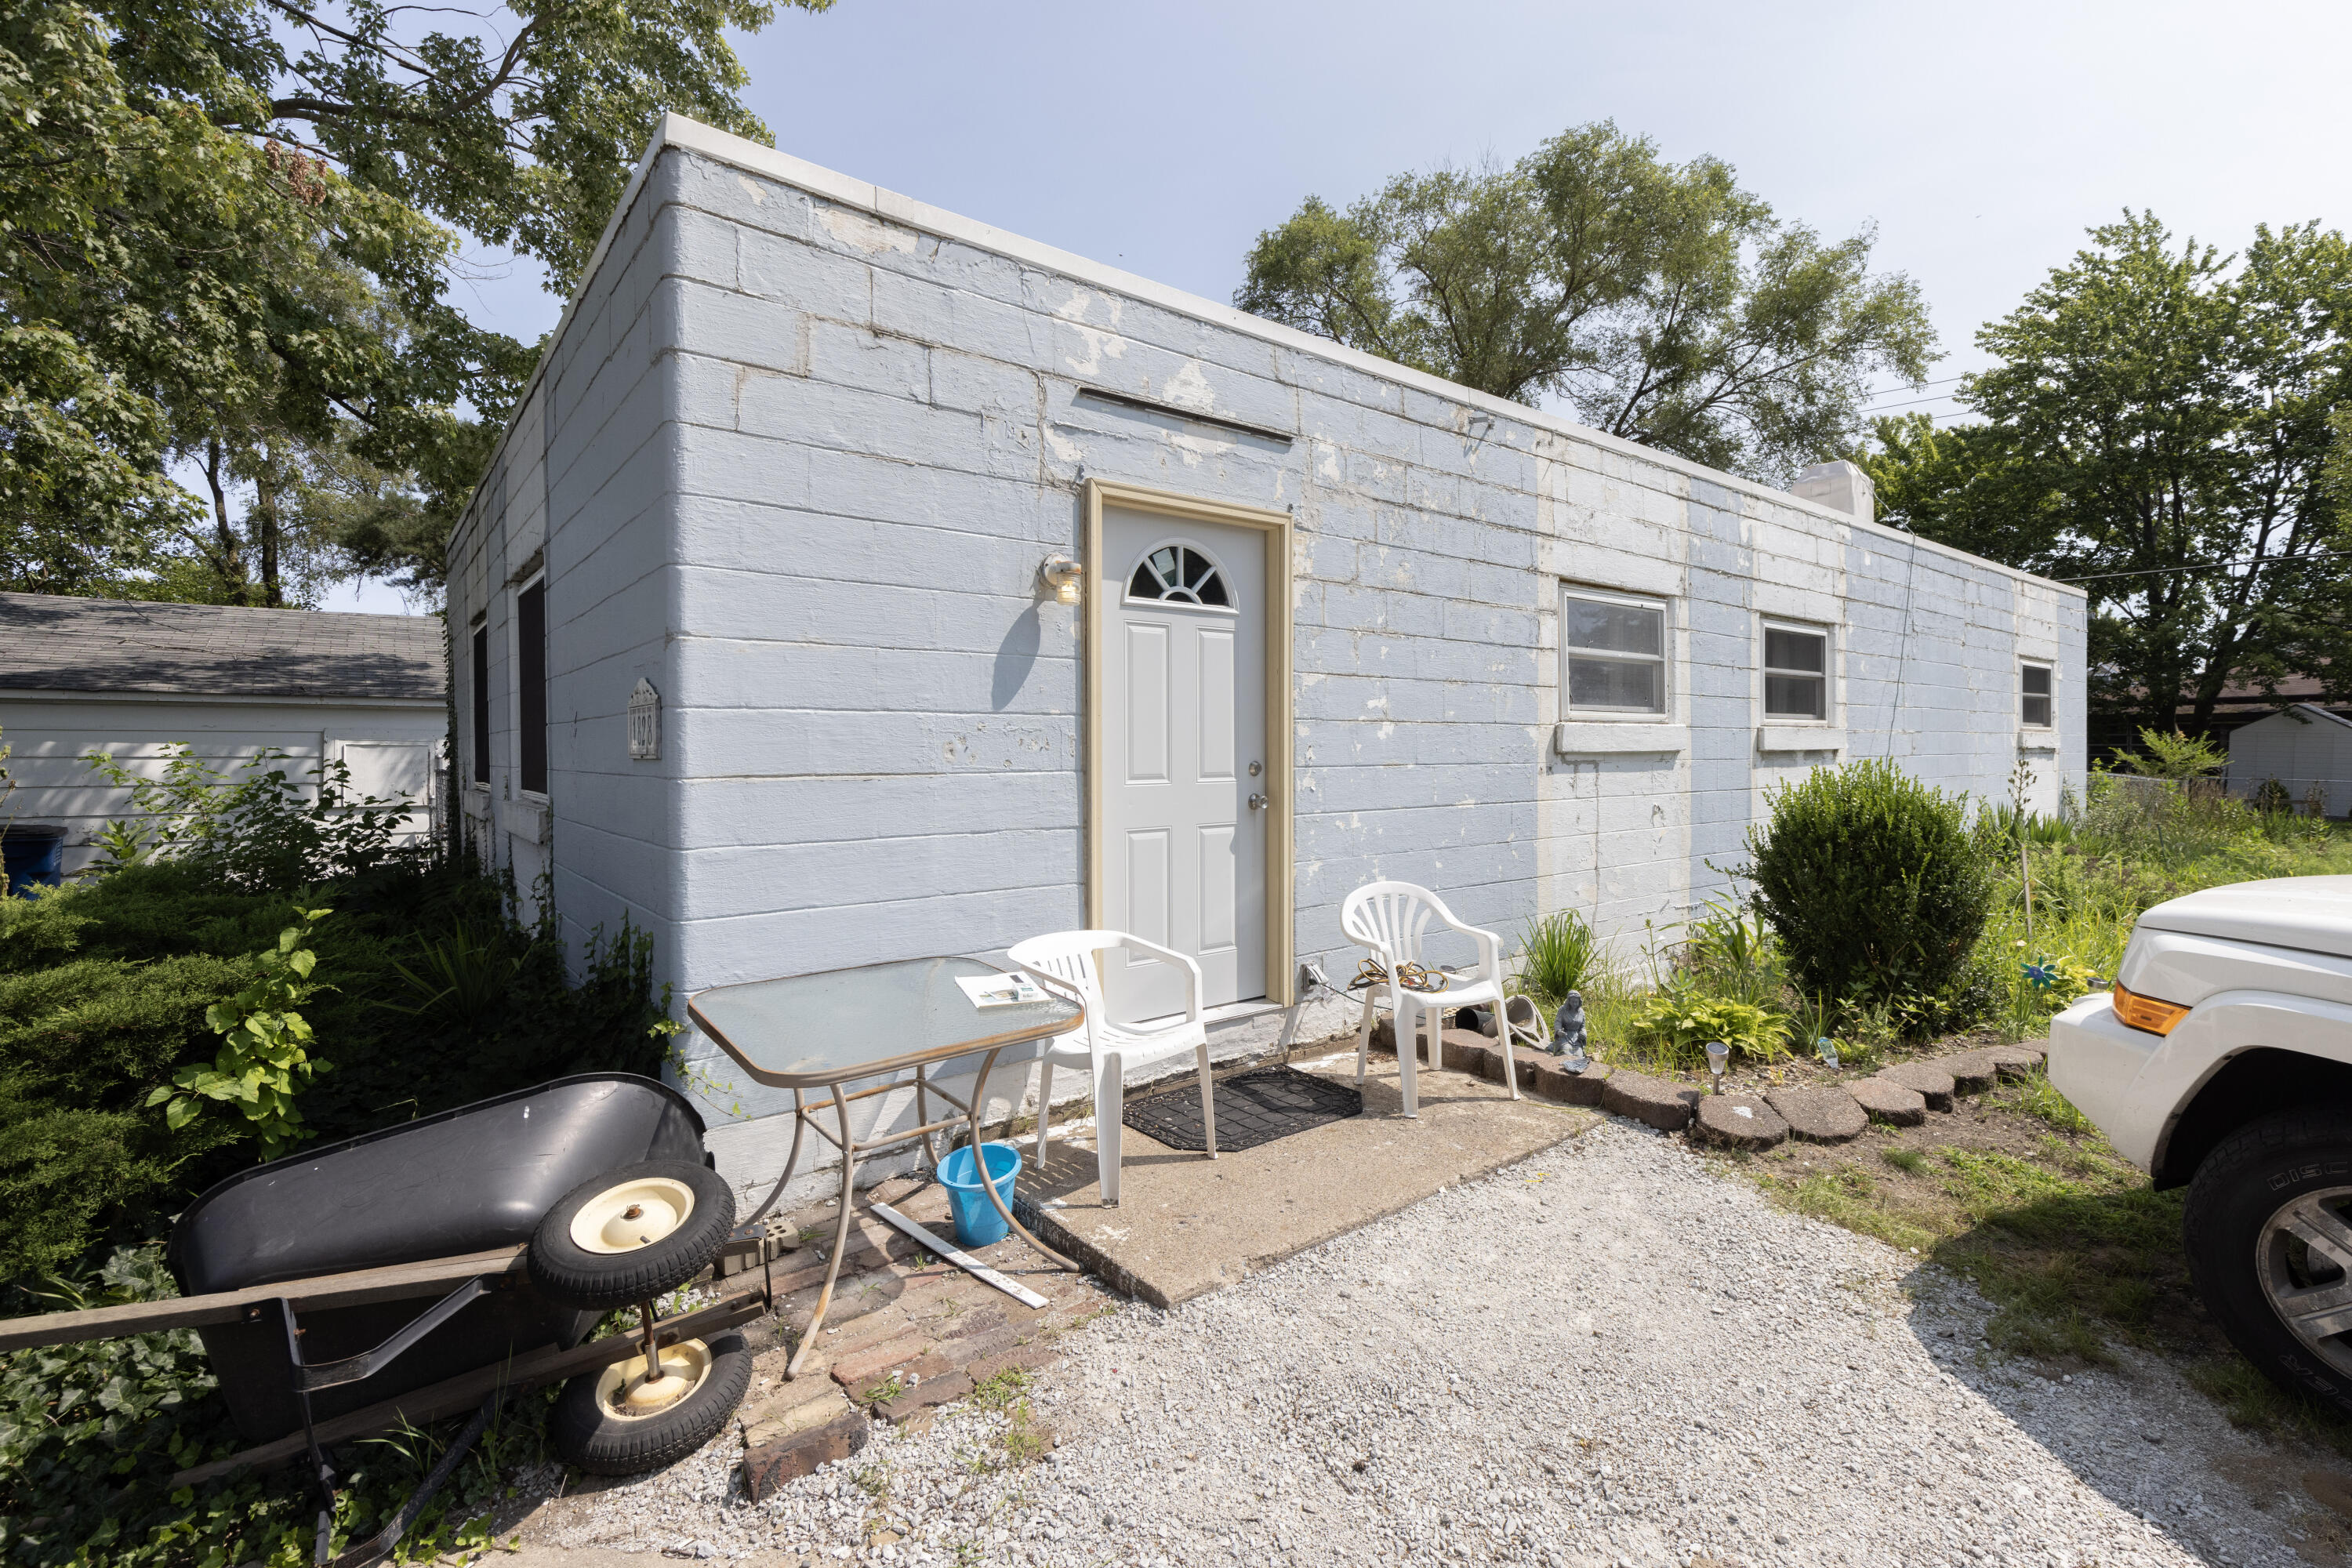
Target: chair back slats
(1390, 918)
(1069, 957)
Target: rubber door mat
(1252, 1108)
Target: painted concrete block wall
(805, 444)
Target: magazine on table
(1000, 990)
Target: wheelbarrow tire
(588, 1252)
(591, 1436)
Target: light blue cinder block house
(761, 640)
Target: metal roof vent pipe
(1841, 487)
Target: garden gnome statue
(1567, 1032)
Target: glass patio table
(820, 1032)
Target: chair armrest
(1490, 946)
(1192, 981)
(1053, 985)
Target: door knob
(1258, 803)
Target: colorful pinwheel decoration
(2044, 975)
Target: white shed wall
(2300, 747)
(392, 748)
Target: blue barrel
(33, 852)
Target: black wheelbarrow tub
(465, 1181)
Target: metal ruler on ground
(963, 1260)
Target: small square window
(1613, 649)
(1796, 673)
(2035, 680)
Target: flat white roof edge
(725, 147)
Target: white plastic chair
(1065, 962)
(1390, 918)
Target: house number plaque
(644, 723)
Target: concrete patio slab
(1187, 1225)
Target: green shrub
(1556, 956)
(1870, 881)
(255, 828)
(104, 987)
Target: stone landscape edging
(1900, 1095)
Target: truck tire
(631, 1235)
(2268, 1231)
(595, 1429)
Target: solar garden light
(1718, 1057)
(1063, 576)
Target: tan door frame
(1280, 979)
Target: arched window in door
(1179, 574)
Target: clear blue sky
(1979, 139)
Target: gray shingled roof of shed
(48, 642)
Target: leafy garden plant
(1556, 956)
(256, 826)
(1676, 1024)
(264, 1059)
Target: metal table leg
(840, 1232)
(979, 1099)
(800, 1126)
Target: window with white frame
(1796, 671)
(1613, 652)
(2034, 682)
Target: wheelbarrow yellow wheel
(621, 1420)
(631, 1235)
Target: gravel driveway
(1610, 1354)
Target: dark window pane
(1796, 695)
(2037, 680)
(1807, 651)
(1625, 684)
(530, 687)
(1213, 592)
(1143, 586)
(2037, 711)
(1615, 628)
(481, 705)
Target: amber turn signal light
(2146, 1011)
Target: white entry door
(1184, 733)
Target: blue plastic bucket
(32, 853)
(977, 1223)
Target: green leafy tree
(1662, 303)
(226, 230)
(2158, 409)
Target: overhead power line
(2208, 566)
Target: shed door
(1184, 730)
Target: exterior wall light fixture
(1063, 576)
